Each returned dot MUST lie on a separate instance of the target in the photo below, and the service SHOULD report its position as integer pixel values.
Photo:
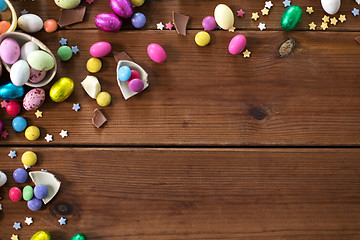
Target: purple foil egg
(108, 22)
(123, 8)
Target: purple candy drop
(34, 204)
(136, 85)
(209, 23)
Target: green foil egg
(41, 235)
(79, 236)
(28, 193)
(291, 18)
(61, 89)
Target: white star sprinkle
(48, 138)
(16, 225)
(63, 133)
(160, 26)
(262, 26)
(62, 221)
(28, 220)
(12, 154)
(269, 4)
(76, 107)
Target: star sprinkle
(43, 170)
(49, 138)
(342, 18)
(326, 19)
(63, 133)
(268, 4)
(255, 16)
(62, 221)
(160, 26)
(89, 1)
(4, 104)
(4, 134)
(312, 26)
(23, 12)
(355, 12)
(262, 26)
(265, 11)
(17, 225)
(169, 26)
(309, 10)
(76, 107)
(75, 49)
(14, 237)
(63, 41)
(333, 21)
(38, 114)
(324, 26)
(12, 154)
(246, 53)
(287, 3)
(240, 13)
(28, 220)
(27, 167)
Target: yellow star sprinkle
(309, 10)
(255, 16)
(265, 11)
(342, 18)
(324, 26)
(14, 237)
(312, 26)
(326, 19)
(246, 53)
(38, 114)
(333, 21)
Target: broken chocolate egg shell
(124, 86)
(287, 47)
(21, 39)
(47, 179)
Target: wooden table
(218, 147)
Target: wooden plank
(193, 194)
(205, 96)
(157, 11)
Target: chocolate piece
(357, 39)
(121, 56)
(5, 15)
(98, 119)
(71, 16)
(180, 21)
(287, 47)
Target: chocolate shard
(71, 16)
(287, 47)
(180, 21)
(357, 39)
(118, 56)
(98, 119)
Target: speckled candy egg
(36, 76)
(108, 22)
(122, 8)
(30, 23)
(9, 51)
(40, 60)
(19, 73)
(34, 98)
(67, 4)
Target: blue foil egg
(9, 91)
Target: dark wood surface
(218, 147)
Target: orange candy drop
(4, 26)
(50, 25)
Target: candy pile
(6, 16)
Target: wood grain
(193, 194)
(159, 10)
(205, 96)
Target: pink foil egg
(123, 8)
(100, 49)
(9, 51)
(156, 53)
(108, 22)
(237, 44)
(33, 99)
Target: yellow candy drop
(137, 3)
(32, 133)
(103, 99)
(41, 235)
(202, 38)
(29, 158)
(93, 65)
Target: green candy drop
(79, 236)
(28, 193)
(64, 53)
(291, 18)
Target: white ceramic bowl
(124, 86)
(22, 38)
